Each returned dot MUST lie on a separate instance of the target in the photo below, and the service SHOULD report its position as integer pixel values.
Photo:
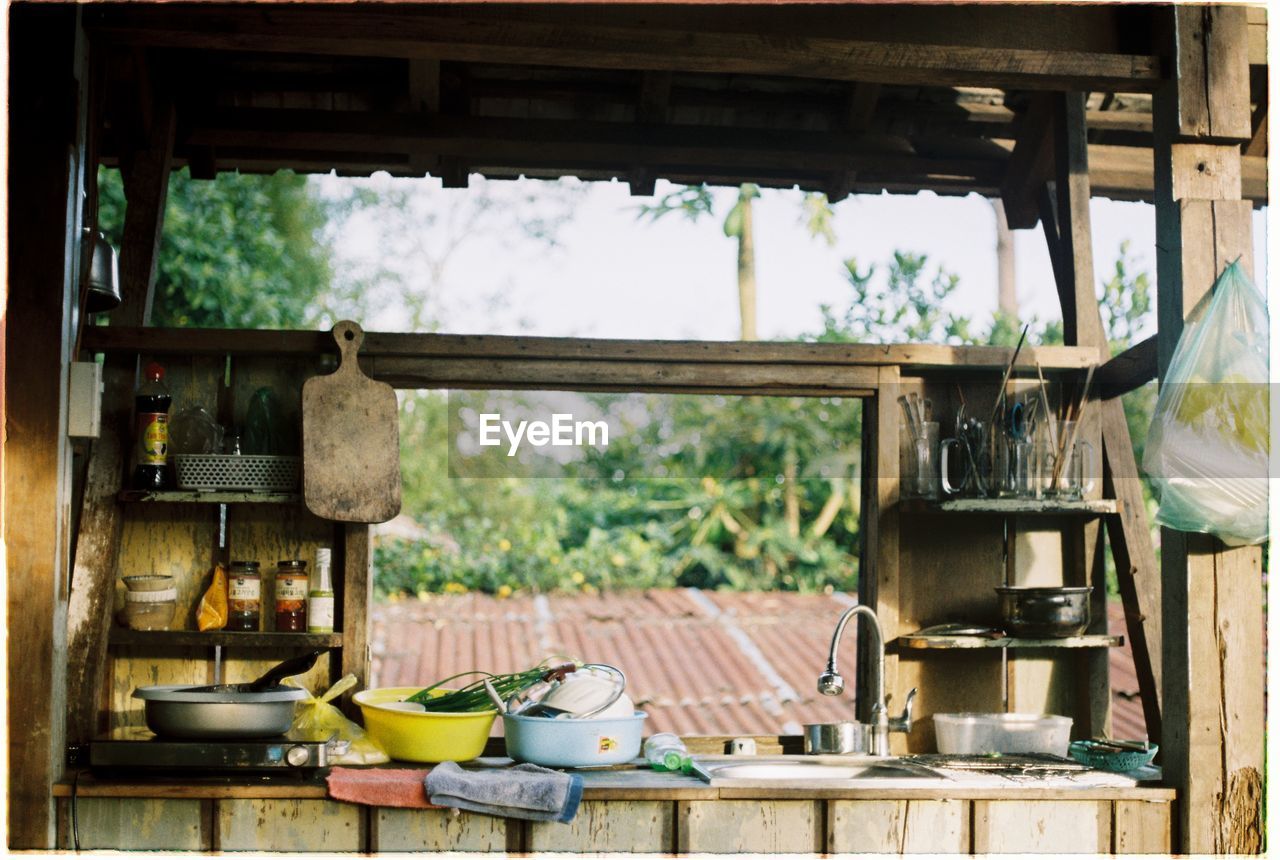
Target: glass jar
(149, 610)
(244, 596)
(291, 596)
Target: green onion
(473, 696)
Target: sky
(614, 275)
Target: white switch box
(84, 413)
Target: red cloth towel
(380, 787)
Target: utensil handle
(1087, 466)
(348, 336)
(945, 448)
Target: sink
(815, 771)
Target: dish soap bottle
(665, 751)
(152, 441)
(320, 598)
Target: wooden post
(1212, 596)
(45, 180)
(98, 544)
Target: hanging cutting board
(350, 440)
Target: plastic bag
(317, 720)
(212, 612)
(1208, 447)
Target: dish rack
(253, 473)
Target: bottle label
(291, 588)
(153, 438)
(320, 614)
(247, 589)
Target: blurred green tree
(237, 251)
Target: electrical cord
(75, 816)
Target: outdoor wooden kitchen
(1040, 106)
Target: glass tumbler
(920, 462)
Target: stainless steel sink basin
(814, 771)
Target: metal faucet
(830, 683)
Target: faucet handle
(903, 723)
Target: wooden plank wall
(753, 826)
(182, 541)
(947, 567)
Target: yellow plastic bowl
(423, 736)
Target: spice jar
(291, 596)
(149, 610)
(244, 597)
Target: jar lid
(167, 594)
(245, 565)
(291, 564)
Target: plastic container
(573, 743)
(1116, 761)
(422, 736)
(967, 734)
(149, 610)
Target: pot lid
(174, 693)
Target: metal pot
(174, 711)
(1044, 613)
(844, 738)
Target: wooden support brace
(1067, 231)
(1129, 370)
(98, 544)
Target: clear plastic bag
(1208, 447)
(317, 720)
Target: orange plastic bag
(212, 613)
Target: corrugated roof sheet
(717, 663)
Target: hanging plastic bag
(317, 720)
(1208, 447)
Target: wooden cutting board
(350, 440)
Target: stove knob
(297, 756)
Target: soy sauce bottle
(151, 441)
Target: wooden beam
(1214, 676)
(653, 48)
(1030, 165)
(484, 140)
(45, 184)
(98, 544)
(921, 356)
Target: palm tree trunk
(747, 271)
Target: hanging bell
(104, 276)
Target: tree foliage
(238, 251)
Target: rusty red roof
(699, 662)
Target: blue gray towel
(524, 791)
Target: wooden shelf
(914, 643)
(214, 498)
(1080, 507)
(208, 639)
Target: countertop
(632, 782)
